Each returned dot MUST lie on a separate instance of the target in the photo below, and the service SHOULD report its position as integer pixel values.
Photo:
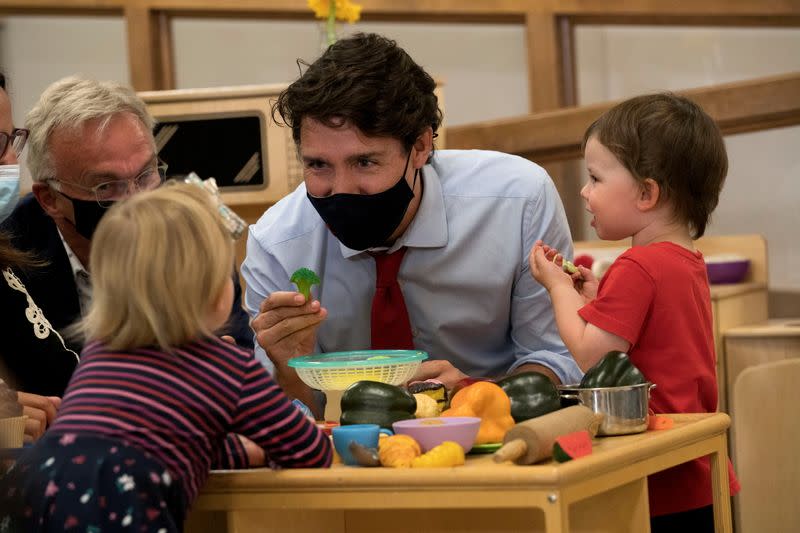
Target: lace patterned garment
(41, 326)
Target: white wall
(482, 66)
(36, 51)
(484, 70)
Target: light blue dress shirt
(465, 278)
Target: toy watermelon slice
(571, 446)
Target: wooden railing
(753, 105)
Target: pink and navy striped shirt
(181, 407)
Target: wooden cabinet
(756, 344)
(734, 306)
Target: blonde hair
(159, 262)
(69, 103)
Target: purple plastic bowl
(732, 271)
(430, 432)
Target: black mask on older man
(87, 215)
(362, 221)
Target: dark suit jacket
(53, 287)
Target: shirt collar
(77, 267)
(428, 228)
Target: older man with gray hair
(91, 144)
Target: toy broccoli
(304, 278)
(569, 267)
(566, 265)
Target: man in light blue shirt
(364, 117)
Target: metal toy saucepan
(624, 409)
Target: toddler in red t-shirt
(656, 166)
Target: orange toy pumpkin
(488, 402)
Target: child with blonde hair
(656, 166)
(156, 397)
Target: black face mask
(87, 215)
(362, 221)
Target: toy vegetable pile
(519, 407)
(498, 405)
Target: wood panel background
(549, 28)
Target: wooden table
(606, 491)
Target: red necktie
(390, 326)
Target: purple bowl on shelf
(727, 269)
(430, 432)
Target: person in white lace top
(35, 344)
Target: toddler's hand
(544, 270)
(255, 453)
(586, 283)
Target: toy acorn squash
(615, 369)
(532, 394)
(372, 402)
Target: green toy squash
(372, 402)
(532, 394)
(613, 370)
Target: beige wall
(762, 191)
(483, 67)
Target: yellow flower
(320, 7)
(345, 9)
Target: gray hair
(69, 103)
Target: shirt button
(414, 332)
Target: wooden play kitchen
(606, 491)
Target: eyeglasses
(108, 192)
(17, 140)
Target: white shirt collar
(83, 281)
(74, 262)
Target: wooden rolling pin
(532, 441)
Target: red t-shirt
(657, 298)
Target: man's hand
(41, 412)
(440, 370)
(286, 326)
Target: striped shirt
(181, 407)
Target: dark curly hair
(671, 140)
(368, 81)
